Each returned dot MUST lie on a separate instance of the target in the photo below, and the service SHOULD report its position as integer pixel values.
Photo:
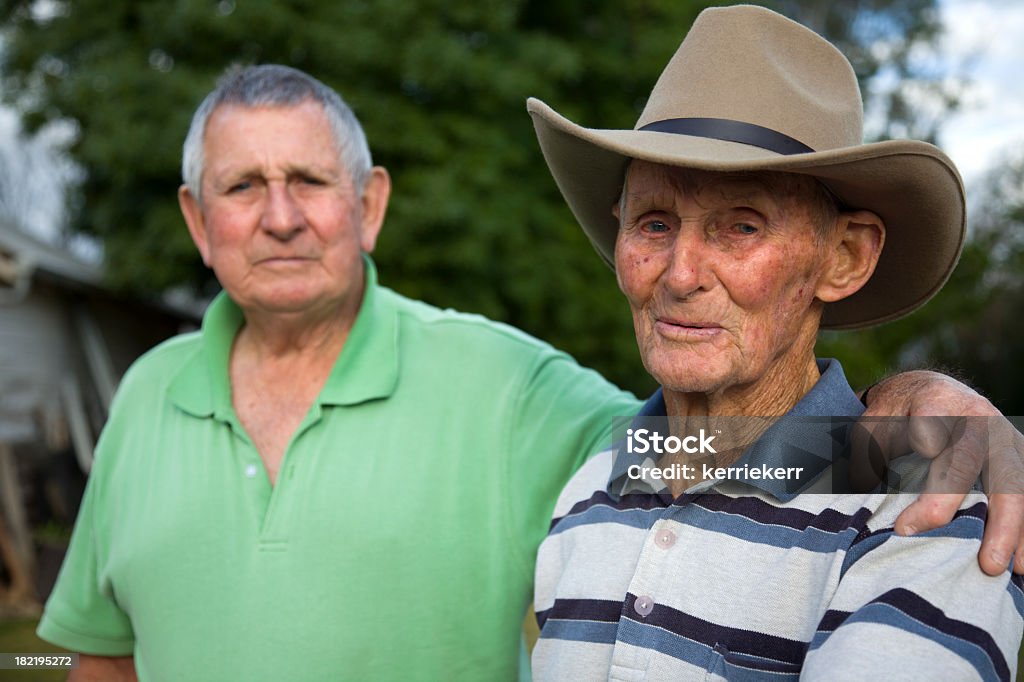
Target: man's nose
(282, 217)
(689, 267)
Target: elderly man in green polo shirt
(328, 481)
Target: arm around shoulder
(562, 413)
(987, 441)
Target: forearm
(104, 669)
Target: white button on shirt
(643, 605)
(665, 539)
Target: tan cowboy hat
(751, 90)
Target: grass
(19, 636)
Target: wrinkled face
(720, 271)
(280, 221)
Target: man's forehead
(645, 177)
(244, 140)
(239, 112)
(238, 127)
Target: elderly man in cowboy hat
(741, 215)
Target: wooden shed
(65, 341)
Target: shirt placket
(633, 650)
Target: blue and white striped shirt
(747, 580)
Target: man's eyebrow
(645, 200)
(232, 175)
(229, 177)
(293, 170)
(229, 171)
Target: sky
(987, 38)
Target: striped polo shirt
(763, 579)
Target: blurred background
(96, 264)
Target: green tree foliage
(476, 222)
(985, 344)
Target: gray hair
(280, 86)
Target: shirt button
(665, 539)
(250, 471)
(643, 605)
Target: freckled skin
(720, 272)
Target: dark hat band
(731, 131)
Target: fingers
(954, 443)
(958, 447)
(961, 449)
(930, 510)
(961, 445)
(873, 444)
(974, 446)
(930, 436)
(1004, 482)
(1003, 534)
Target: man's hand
(961, 450)
(104, 669)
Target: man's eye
(239, 187)
(746, 228)
(656, 226)
(308, 180)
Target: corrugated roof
(58, 263)
(53, 260)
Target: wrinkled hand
(977, 441)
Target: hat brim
(911, 185)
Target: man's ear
(193, 212)
(376, 193)
(855, 247)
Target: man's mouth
(682, 328)
(271, 260)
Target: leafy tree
(440, 85)
(982, 338)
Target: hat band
(731, 131)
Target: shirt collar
(812, 441)
(367, 368)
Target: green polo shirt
(398, 541)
